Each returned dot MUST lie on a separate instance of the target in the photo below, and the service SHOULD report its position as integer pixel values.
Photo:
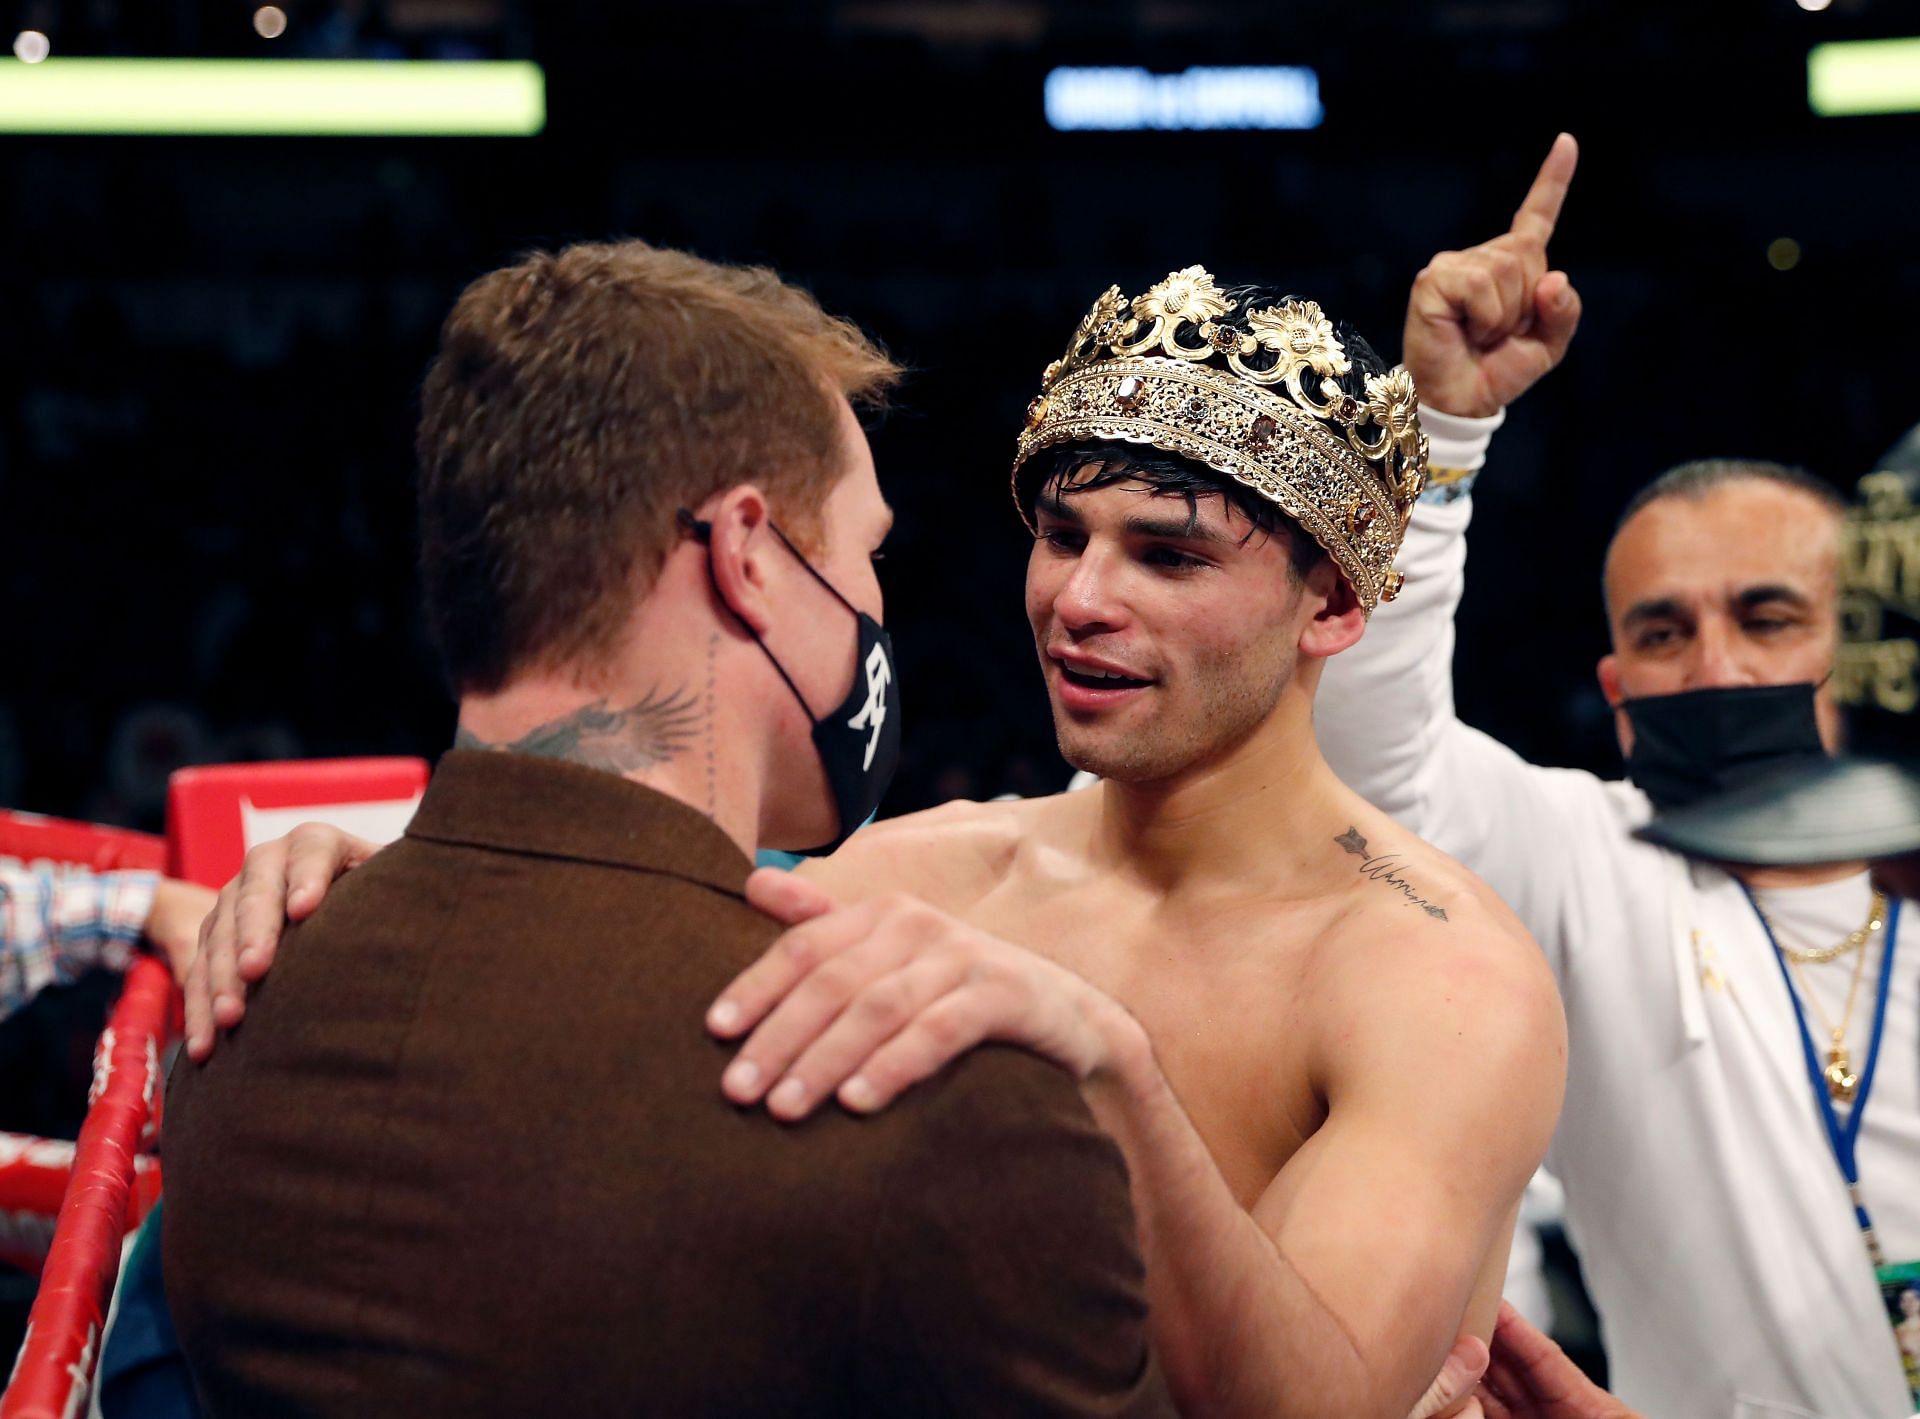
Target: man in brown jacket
(435, 1175)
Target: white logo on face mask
(874, 712)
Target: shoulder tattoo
(1386, 870)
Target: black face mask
(1699, 743)
(859, 740)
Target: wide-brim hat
(1844, 809)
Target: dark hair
(577, 401)
(1056, 472)
(1059, 473)
(1702, 476)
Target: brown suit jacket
(468, 1156)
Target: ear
(1609, 672)
(737, 547)
(1829, 716)
(1337, 619)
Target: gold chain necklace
(1820, 955)
(1841, 1079)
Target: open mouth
(1100, 679)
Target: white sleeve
(1385, 719)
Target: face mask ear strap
(810, 566)
(702, 532)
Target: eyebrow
(1054, 508)
(1665, 608)
(1760, 595)
(1177, 529)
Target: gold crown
(1169, 369)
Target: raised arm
(1482, 326)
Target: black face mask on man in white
(1698, 743)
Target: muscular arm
(1341, 1291)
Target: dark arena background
(211, 342)
(214, 342)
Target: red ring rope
(54, 1373)
(34, 1173)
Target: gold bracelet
(1442, 477)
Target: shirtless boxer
(1340, 1057)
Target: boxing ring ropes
(107, 1193)
(107, 1180)
(98, 1188)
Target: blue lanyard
(1841, 1137)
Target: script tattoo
(640, 736)
(1386, 870)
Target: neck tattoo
(1386, 871)
(713, 793)
(643, 735)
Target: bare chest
(1228, 1010)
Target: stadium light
(1864, 76)
(345, 97)
(1129, 100)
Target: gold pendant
(1841, 1080)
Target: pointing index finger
(1541, 211)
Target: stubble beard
(1228, 702)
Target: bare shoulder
(1401, 887)
(1420, 946)
(951, 855)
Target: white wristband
(1457, 451)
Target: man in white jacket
(1724, 1022)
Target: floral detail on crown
(1191, 295)
(1185, 300)
(1301, 335)
(1101, 323)
(1394, 406)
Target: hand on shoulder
(862, 1002)
(280, 881)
